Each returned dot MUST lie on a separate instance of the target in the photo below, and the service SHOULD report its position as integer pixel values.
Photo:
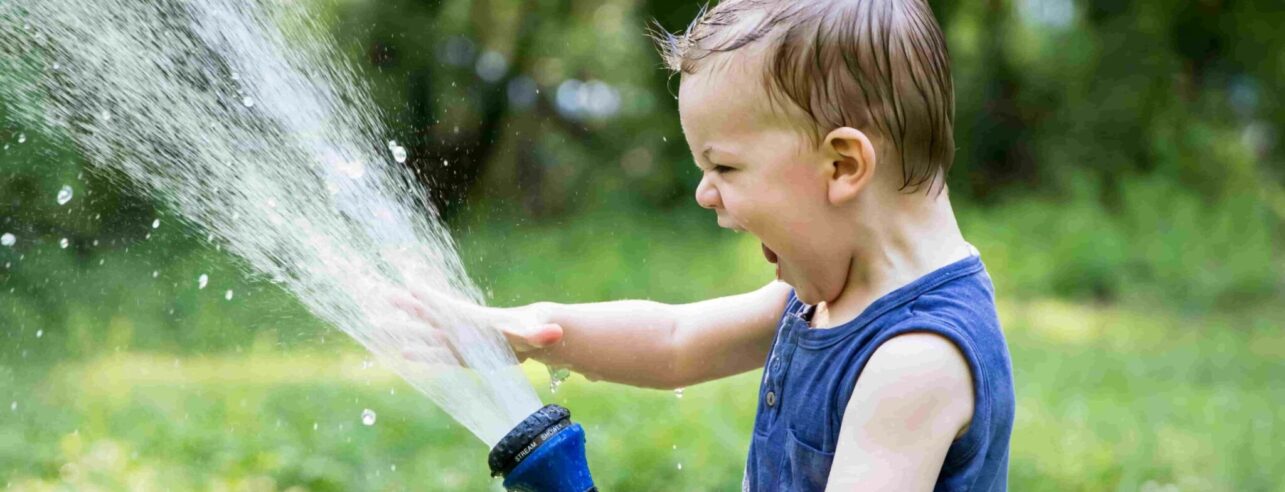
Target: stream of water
(242, 117)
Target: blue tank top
(810, 375)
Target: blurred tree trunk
(450, 161)
(1199, 40)
(530, 172)
(1001, 139)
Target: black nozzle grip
(520, 441)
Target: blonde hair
(873, 65)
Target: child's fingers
(546, 334)
(427, 339)
(411, 306)
(444, 302)
(536, 337)
(419, 295)
(416, 333)
(520, 339)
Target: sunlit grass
(1104, 402)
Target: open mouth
(769, 254)
(772, 258)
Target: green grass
(1108, 399)
(1127, 394)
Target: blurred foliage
(1119, 166)
(1134, 142)
(1048, 90)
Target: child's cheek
(802, 183)
(798, 227)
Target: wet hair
(880, 66)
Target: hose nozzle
(544, 453)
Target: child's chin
(809, 298)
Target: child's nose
(707, 195)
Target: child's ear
(852, 164)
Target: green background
(1119, 168)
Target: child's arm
(656, 345)
(913, 399)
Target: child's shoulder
(963, 300)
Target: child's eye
(721, 169)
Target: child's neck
(893, 247)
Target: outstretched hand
(526, 328)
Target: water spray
(244, 118)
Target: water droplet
(156, 273)
(65, 194)
(64, 242)
(315, 426)
(368, 417)
(556, 377)
(105, 115)
(22, 138)
(40, 333)
(392, 144)
(393, 467)
(236, 76)
(247, 102)
(13, 406)
(228, 295)
(399, 154)
(8, 239)
(680, 466)
(678, 392)
(202, 281)
(156, 223)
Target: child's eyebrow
(711, 148)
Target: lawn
(1118, 395)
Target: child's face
(764, 176)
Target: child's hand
(526, 328)
(529, 329)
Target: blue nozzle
(557, 465)
(544, 453)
